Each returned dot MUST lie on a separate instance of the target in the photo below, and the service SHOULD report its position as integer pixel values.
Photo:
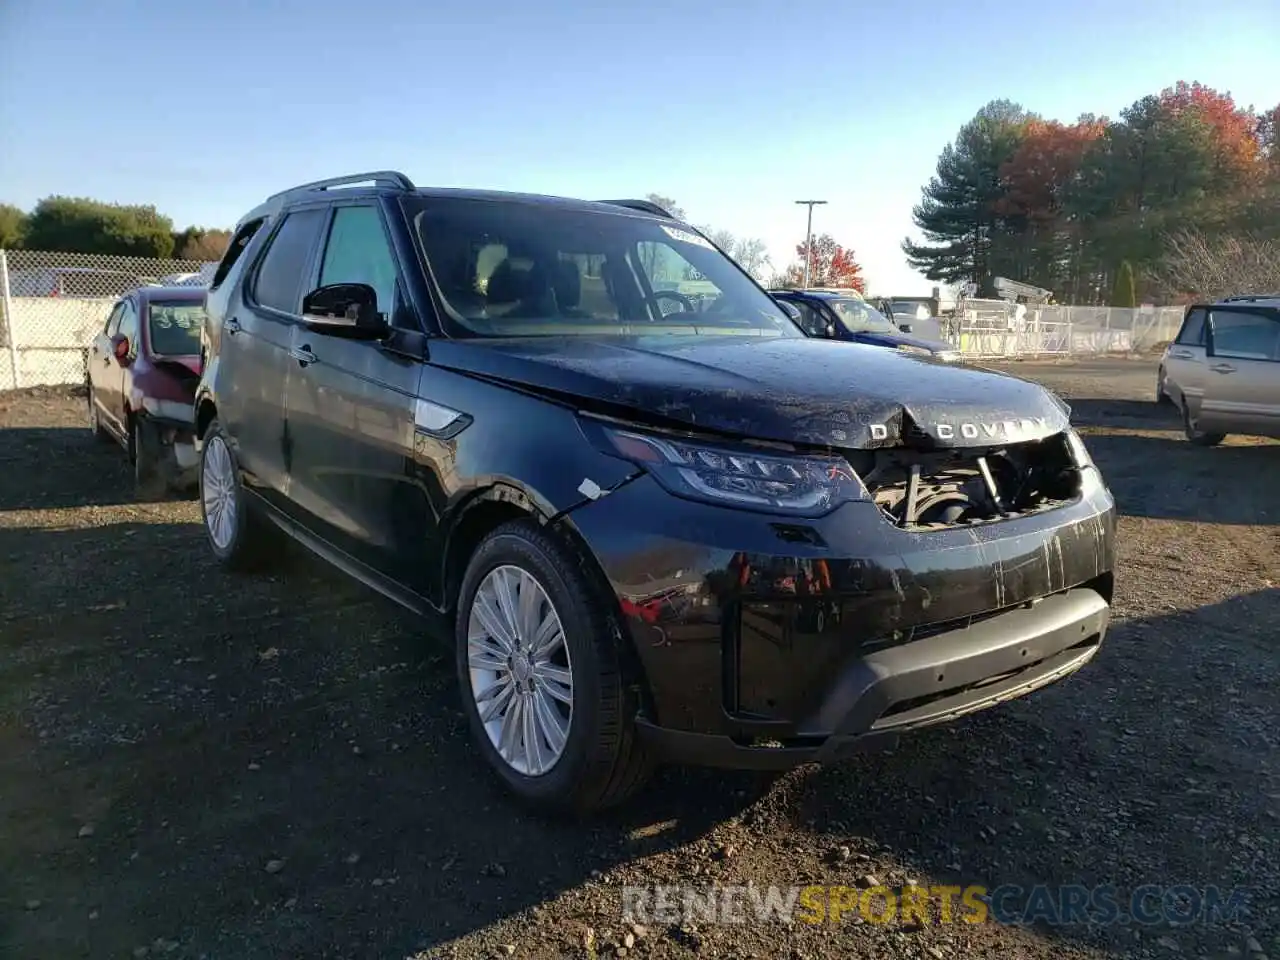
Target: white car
(1222, 371)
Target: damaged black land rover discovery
(662, 523)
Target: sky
(735, 110)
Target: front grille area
(939, 489)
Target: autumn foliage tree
(197, 243)
(831, 265)
(1063, 206)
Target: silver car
(1223, 369)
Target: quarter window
(113, 320)
(811, 321)
(129, 326)
(1192, 333)
(278, 284)
(234, 249)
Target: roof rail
(644, 206)
(390, 179)
(1251, 297)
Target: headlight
(918, 351)
(169, 409)
(803, 485)
(1079, 452)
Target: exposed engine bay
(947, 488)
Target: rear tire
(149, 481)
(1199, 437)
(240, 539)
(587, 755)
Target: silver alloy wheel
(218, 491)
(520, 670)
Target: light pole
(808, 238)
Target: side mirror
(120, 347)
(831, 331)
(345, 310)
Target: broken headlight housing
(800, 484)
(1079, 452)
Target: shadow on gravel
(1104, 412)
(68, 456)
(1166, 478)
(1109, 778)
(272, 767)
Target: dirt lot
(196, 765)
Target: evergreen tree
(967, 237)
(1125, 292)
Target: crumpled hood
(801, 390)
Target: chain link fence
(994, 328)
(53, 304)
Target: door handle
(1223, 368)
(303, 354)
(233, 326)
(1181, 354)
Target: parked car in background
(1222, 371)
(142, 370)
(652, 533)
(836, 316)
(909, 310)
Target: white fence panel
(52, 305)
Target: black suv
(663, 524)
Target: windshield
(175, 328)
(512, 268)
(858, 316)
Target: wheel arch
(206, 411)
(490, 508)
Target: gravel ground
(196, 765)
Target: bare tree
(750, 253)
(1213, 267)
(667, 204)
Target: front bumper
(767, 641)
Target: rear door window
(1245, 335)
(278, 284)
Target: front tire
(239, 538)
(541, 670)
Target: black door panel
(257, 336)
(350, 409)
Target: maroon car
(143, 368)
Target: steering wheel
(686, 303)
